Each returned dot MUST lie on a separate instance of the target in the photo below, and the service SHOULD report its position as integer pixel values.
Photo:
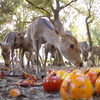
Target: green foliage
(96, 35)
(20, 13)
(7, 8)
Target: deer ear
(62, 36)
(69, 32)
(80, 49)
(20, 34)
(58, 27)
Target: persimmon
(76, 86)
(6, 68)
(26, 75)
(92, 76)
(28, 82)
(2, 74)
(15, 92)
(77, 71)
(49, 71)
(97, 85)
(64, 76)
(61, 73)
(95, 69)
(52, 83)
(85, 70)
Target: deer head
(68, 44)
(5, 51)
(19, 38)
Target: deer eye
(72, 46)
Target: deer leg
(46, 56)
(20, 53)
(37, 57)
(28, 63)
(50, 61)
(99, 60)
(32, 63)
(41, 59)
(22, 61)
(59, 60)
(12, 54)
(93, 62)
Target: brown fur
(49, 48)
(95, 51)
(84, 50)
(41, 31)
(7, 46)
(25, 44)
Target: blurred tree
(96, 34)
(89, 4)
(7, 8)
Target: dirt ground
(28, 93)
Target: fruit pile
(76, 84)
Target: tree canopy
(72, 13)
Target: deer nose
(7, 65)
(53, 56)
(81, 64)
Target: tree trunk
(88, 33)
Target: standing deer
(49, 48)
(52, 49)
(41, 31)
(32, 59)
(6, 47)
(24, 45)
(83, 47)
(95, 51)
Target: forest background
(81, 17)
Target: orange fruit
(77, 71)
(76, 86)
(15, 92)
(6, 68)
(97, 85)
(92, 76)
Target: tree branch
(67, 4)
(48, 14)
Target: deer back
(42, 30)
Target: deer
(25, 45)
(49, 48)
(42, 30)
(32, 59)
(83, 47)
(84, 50)
(10, 44)
(8, 47)
(95, 51)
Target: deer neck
(52, 38)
